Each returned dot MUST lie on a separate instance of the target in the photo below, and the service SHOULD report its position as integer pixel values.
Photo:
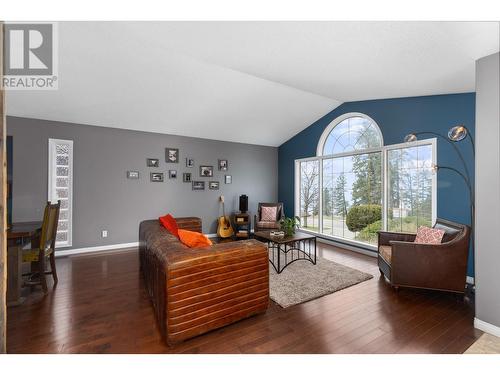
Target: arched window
(356, 186)
(350, 132)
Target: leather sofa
(198, 290)
(439, 267)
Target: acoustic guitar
(224, 228)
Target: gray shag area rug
(303, 281)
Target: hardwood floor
(101, 306)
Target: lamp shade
(457, 133)
(412, 137)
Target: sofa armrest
(434, 266)
(189, 223)
(385, 238)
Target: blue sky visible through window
(352, 134)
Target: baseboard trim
(343, 245)
(487, 327)
(94, 249)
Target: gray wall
(103, 198)
(488, 190)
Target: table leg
(279, 256)
(315, 250)
(14, 276)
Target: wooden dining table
(19, 236)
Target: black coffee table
(283, 251)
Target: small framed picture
(206, 171)
(228, 179)
(223, 165)
(213, 185)
(153, 163)
(172, 155)
(189, 163)
(198, 185)
(186, 177)
(133, 175)
(172, 174)
(156, 177)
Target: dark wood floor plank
(101, 306)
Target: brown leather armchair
(268, 225)
(414, 265)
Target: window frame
(384, 160)
(338, 120)
(52, 186)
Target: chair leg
(53, 267)
(43, 278)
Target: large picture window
(356, 186)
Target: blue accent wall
(396, 118)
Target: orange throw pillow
(193, 239)
(170, 224)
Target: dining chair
(43, 249)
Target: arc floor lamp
(456, 134)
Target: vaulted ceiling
(252, 82)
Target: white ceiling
(252, 82)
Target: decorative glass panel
(62, 236)
(62, 182)
(62, 193)
(60, 186)
(63, 225)
(62, 159)
(62, 171)
(64, 203)
(62, 149)
(63, 215)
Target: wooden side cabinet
(242, 225)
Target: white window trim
(52, 183)
(383, 150)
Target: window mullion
(320, 219)
(385, 189)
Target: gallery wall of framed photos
(198, 181)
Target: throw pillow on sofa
(193, 239)
(426, 235)
(170, 224)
